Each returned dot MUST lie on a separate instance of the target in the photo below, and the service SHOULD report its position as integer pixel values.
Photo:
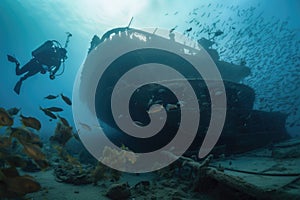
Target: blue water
(275, 60)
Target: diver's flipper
(11, 59)
(18, 87)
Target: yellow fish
(34, 151)
(31, 122)
(16, 185)
(24, 135)
(5, 119)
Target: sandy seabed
(159, 189)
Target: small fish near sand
(55, 109)
(31, 147)
(23, 135)
(5, 119)
(85, 126)
(155, 109)
(33, 151)
(63, 120)
(50, 96)
(16, 161)
(66, 99)
(48, 113)
(13, 111)
(15, 186)
(31, 122)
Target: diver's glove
(52, 76)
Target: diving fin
(18, 87)
(11, 59)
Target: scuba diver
(46, 58)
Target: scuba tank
(41, 50)
(46, 50)
(49, 46)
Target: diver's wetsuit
(32, 67)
